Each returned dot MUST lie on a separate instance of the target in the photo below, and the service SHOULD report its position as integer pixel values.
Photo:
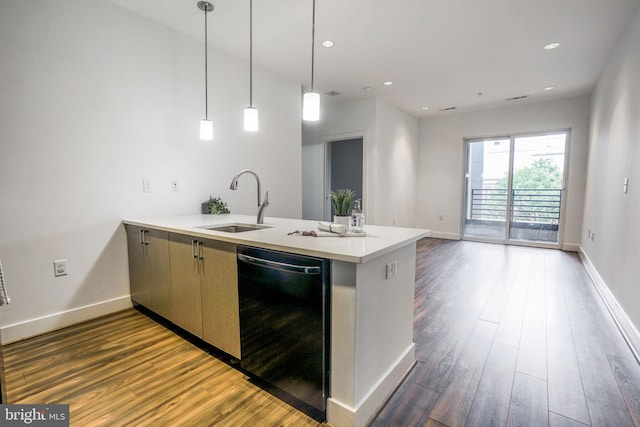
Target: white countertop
(378, 241)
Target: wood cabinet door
(137, 266)
(220, 311)
(190, 281)
(158, 276)
(185, 266)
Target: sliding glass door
(514, 189)
(486, 194)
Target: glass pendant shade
(206, 126)
(206, 129)
(311, 107)
(251, 119)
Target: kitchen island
(372, 294)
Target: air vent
(515, 98)
(447, 109)
(332, 93)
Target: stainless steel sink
(235, 228)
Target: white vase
(344, 220)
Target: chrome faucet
(261, 205)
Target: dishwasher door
(284, 325)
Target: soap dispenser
(356, 225)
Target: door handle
(304, 269)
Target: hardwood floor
(505, 335)
(512, 336)
(126, 370)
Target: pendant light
(311, 99)
(251, 113)
(206, 126)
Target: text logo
(34, 415)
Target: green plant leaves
(217, 206)
(341, 201)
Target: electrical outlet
(146, 186)
(60, 268)
(392, 269)
(441, 217)
(174, 186)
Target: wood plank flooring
(505, 336)
(512, 336)
(127, 370)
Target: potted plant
(215, 206)
(341, 202)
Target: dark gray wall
(346, 165)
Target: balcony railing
(530, 205)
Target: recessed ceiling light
(549, 88)
(551, 46)
(368, 89)
(328, 43)
(387, 83)
(425, 108)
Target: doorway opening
(514, 189)
(344, 169)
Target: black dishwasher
(284, 325)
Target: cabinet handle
(196, 249)
(144, 237)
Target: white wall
(613, 156)
(313, 182)
(94, 99)
(441, 158)
(356, 118)
(393, 167)
(390, 155)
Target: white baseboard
(625, 325)
(571, 247)
(448, 236)
(52, 322)
(339, 414)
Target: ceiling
(468, 54)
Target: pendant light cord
(251, 53)
(313, 40)
(206, 89)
